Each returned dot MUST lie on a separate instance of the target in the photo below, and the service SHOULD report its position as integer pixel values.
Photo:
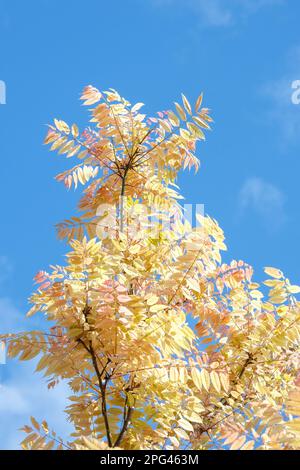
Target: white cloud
(11, 320)
(263, 199)
(219, 12)
(24, 393)
(12, 400)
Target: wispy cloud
(11, 320)
(219, 12)
(263, 199)
(24, 393)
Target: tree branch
(127, 417)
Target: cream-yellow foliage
(163, 346)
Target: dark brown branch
(103, 394)
(247, 362)
(102, 386)
(126, 422)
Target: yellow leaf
(180, 111)
(224, 381)
(152, 300)
(294, 289)
(196, 377)
(273, 272)
(157, 308)
(136, 107)
(214, 377)
(231, 438)
(173, 119)
(183, 376)
(194, 417)
(62, 126)
(35, 424)
(186, 104)
(237, 444)
(58, 143)
(75, 130)
(182, 434)
(183, 423)
(205, 378)
(199, 102)
(173, 374)
(194, 285)
(201, 122)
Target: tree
(162, 345)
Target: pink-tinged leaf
(123, 299)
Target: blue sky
(244, 55)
